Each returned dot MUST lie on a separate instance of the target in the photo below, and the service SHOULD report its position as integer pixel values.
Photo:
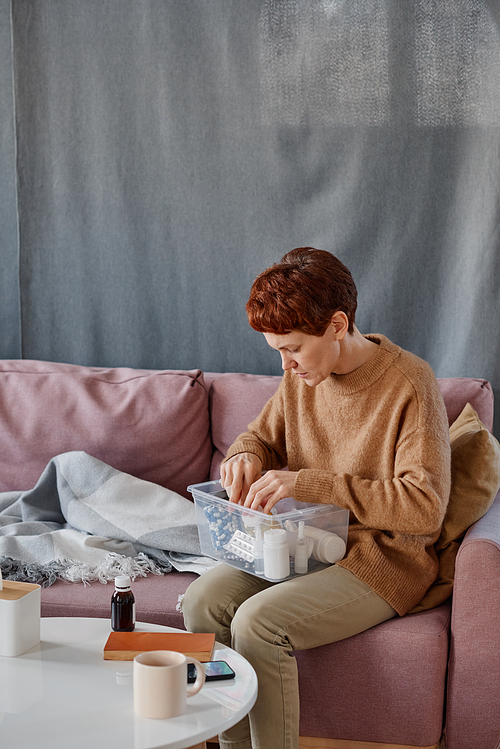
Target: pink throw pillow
(151, 424)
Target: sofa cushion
(475, 481)
(235, 400)
(156, 598)
(383, 685)
(151, 424)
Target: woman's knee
(216, 595)
(193, 606)
(258, 618)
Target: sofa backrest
(236, 399)
(151, 424)
(158, 425)
(458, 391)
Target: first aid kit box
(296, 538)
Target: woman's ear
(340, 322)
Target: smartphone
(214, 671)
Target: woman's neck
(355, 350)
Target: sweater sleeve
(413, 501)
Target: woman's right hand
(238, 474)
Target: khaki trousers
(265, 622)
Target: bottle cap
(331, 548)
(275, 537)
(123, 581)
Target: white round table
(62, 694)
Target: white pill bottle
(276, 554)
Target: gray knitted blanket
(86, 521)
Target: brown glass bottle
(122, 606)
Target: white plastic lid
(275, 537)
(123, 581)
(331, 548)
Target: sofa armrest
(472, 716)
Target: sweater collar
(370, 372)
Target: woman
(361, 424)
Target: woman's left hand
(273, 486)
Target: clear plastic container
(234, 534)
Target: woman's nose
(287, 362)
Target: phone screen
(214, 671)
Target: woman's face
(312, 358)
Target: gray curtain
(157, 154)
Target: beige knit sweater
(376, 442)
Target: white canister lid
(275, 537)
(330, 548)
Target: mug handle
(200, 678)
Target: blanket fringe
(112, 566)
(74, 571)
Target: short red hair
(302, 292)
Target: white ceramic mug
(160, 683)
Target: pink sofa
(407, 682)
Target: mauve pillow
(151, 424)
(235, 400)
(458, 391)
